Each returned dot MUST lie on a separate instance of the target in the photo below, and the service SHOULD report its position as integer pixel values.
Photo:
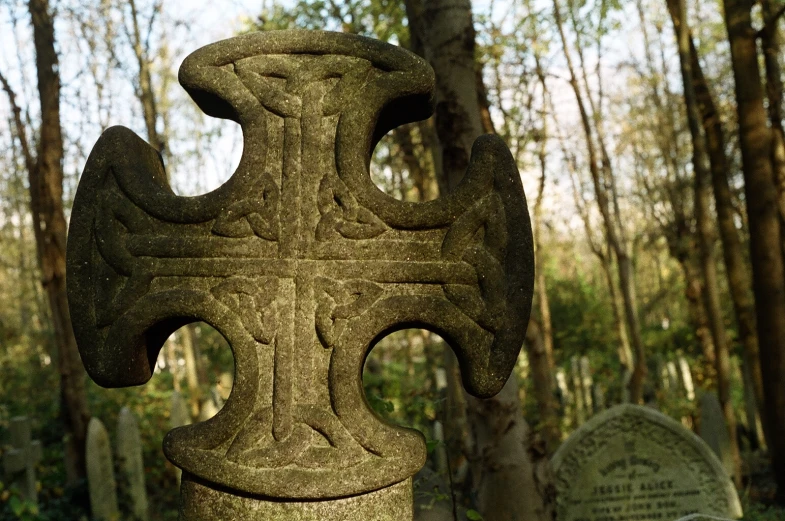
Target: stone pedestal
(200, 501)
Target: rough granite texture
(303, 264)
(633, 463)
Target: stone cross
(131, 464)
(302, 264)
(101, 483)
(19, 461)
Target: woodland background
(649, 136)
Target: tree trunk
(151, 115)
(625, 353)
(705, 235)
(542, 383)
(45, 171)
(144, 88)
(542, 363)
(735, 265)
(620, 249)
(764, 225)
(510, 472)
(770, 42)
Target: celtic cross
(302, 264)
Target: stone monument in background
(632, 463)
(302, 264)
(20, 460)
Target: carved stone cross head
(301, 262)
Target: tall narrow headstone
(208, 409)
(686, 378)
(101, 482)
(440, 450)
(673, 374)
(20, 460)
(179, 415)
(131, 464)
(752, 414)
(586, 385)
(577, 390)
(598, 397)
(714, 430)
(566, 397)
(223, 388)
(301, 263)
(632, 463)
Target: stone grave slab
(302, 264)
(713, 429)
(632, 463)
(101, 483)
(131, 463)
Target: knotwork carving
(300, 261)
(256, 214)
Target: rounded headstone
(634, 463)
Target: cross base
(199, 501)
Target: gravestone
(101, 483)
(714, 430)
(301, 263)
(673, 374)
(224, 387)
(20, 460)
(179, 414)
(632, 463)
(565, 395)
(440, 450)
(686, 378)
(586, 385)
(208, 409)
(577, 388)
(131, 463)
(598, 396)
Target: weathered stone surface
(302, 263)
(20, 460)
(131, 463)
(101, 483)
(632, 463)
(202, 502)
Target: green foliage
(759, 512)
(381, 19)
(396, 380)
(68, 505)
(474, 515)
